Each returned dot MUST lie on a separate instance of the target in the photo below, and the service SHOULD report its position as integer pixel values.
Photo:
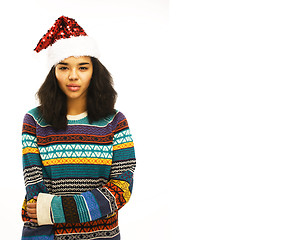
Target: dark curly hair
(101, 97)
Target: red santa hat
(65, 39)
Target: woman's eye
(83, 68)
(62, 68)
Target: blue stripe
(102, 201)
(92, 205)
(44, 237)
(39, 233)
(83, 212)
(57, 210)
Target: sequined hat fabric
(66, 38)
(63, 28)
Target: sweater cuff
(44, 209)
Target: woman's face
(74, 75)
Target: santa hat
(65, 39)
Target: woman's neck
(76, 106)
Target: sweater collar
(77, 117)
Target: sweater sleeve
(32, 163)
(33, 179)
(100, 202)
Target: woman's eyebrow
(83, 63)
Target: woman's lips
(73, 87)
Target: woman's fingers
(32, 211)
(32, 207)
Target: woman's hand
(32, 211)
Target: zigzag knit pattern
(87, 169)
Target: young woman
(78, 154)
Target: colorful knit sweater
(82, 176)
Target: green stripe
(83, 211)
(57, 210)
(31, 159)
(65, 171)
(123, 154)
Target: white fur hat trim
(73, 46)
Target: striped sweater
(82, 176)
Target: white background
(207, 90)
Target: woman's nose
(73, 74)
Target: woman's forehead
(76, 60)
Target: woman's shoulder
(109, 119)
(35, 115)
(119, 116)
(119, 121)
(112, 119)
(34, 112)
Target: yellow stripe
(123, 145)
(125, 188)
(59, 161)
(30, 150)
